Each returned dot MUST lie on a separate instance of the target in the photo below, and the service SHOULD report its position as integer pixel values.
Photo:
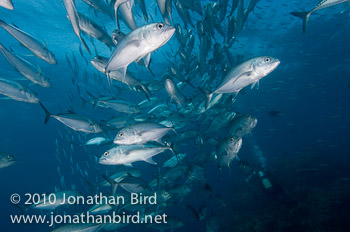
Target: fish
(165, 10)
(248, 72)
(7, 4)
(304, 15)
(73, 121)
(100, 64)
(39, 49)
(131, 184)
(128, 154)
(228, 151)
(101, 6)
(34, 74)
(141, 133)
(118, 105)
(127, 15)
(116, 5)
(175, 160)
(142, 5)
(6, 160)
(117, 35)
(92, 29)
(122, 174)
(97, 141)
(73, 17)
(242, 125)
(16, 91)
(138, 44)
(233, 7)
(175, 93)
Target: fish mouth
(170, 30)
(277, 62)
(117, 141)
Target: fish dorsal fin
(16, 26)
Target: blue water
(306, 146)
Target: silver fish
(39, 49)
(16, 91)
(25, 68)
(128, 154)
(127, 15)
(242, 125)
(228, 151)
(92, 29)
(141, 133)
(138, 44)
(6, 160)
(74, 19)
(101, 6)
(74, 121)
(175, 93)
(116, 6)
(165, 10)
(248, 72)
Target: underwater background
(302, 108)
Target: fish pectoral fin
(146, 59)
(136, 43)
(150, 161)
(255, 84)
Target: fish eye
(9, 156)
(160, 25)
(106, 153)
(232, 140)
(248, 118)
(267, 59)
(121, 134)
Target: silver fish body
(128, 154)
(138, 44)
(28, 70)
(141, 133)
(39, 49)
(16, 91)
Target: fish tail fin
(111, 182)
(150, 71)
(47, 113)
(171, 148)
(85, 45)
(208, 96)
(304, 16)
(145, 89)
